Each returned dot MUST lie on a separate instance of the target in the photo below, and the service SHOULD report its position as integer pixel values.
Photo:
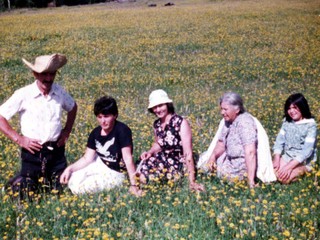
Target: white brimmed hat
(47, 63)
(157, 97)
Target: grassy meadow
(196, 50)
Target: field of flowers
(196, 50)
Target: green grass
(195, 50)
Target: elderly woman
(235, 153)
(172, 148)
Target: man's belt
(50, 145)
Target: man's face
(45, 81)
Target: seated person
(172, 148)
(107, 157)
(295, 146)
(234, 153)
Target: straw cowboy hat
(47, 63)
(158, 97)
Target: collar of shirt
(35, 91)
(303, 121)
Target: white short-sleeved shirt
(40, 116)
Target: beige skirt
(94, 178)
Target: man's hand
(32, 145)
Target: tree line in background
(12, 4)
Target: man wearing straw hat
(42, 138)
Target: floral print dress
(242, 131)
(168, 163)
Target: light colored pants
(95, 177)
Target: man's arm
(7, 130)
(30, 144)
(64, 135)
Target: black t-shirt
(109, 147)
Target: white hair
(234, 100)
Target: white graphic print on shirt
(103, 150)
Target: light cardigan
(264, 160)
(297, 140)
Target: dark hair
(169, 106)
(105, 105)
(300, 102)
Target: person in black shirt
(108, 155)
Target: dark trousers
(40, 171)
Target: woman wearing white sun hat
(172, 148)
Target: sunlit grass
(195, 50)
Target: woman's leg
(297, 172)
(95, 177)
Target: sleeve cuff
(299, 159)
(277, 151)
